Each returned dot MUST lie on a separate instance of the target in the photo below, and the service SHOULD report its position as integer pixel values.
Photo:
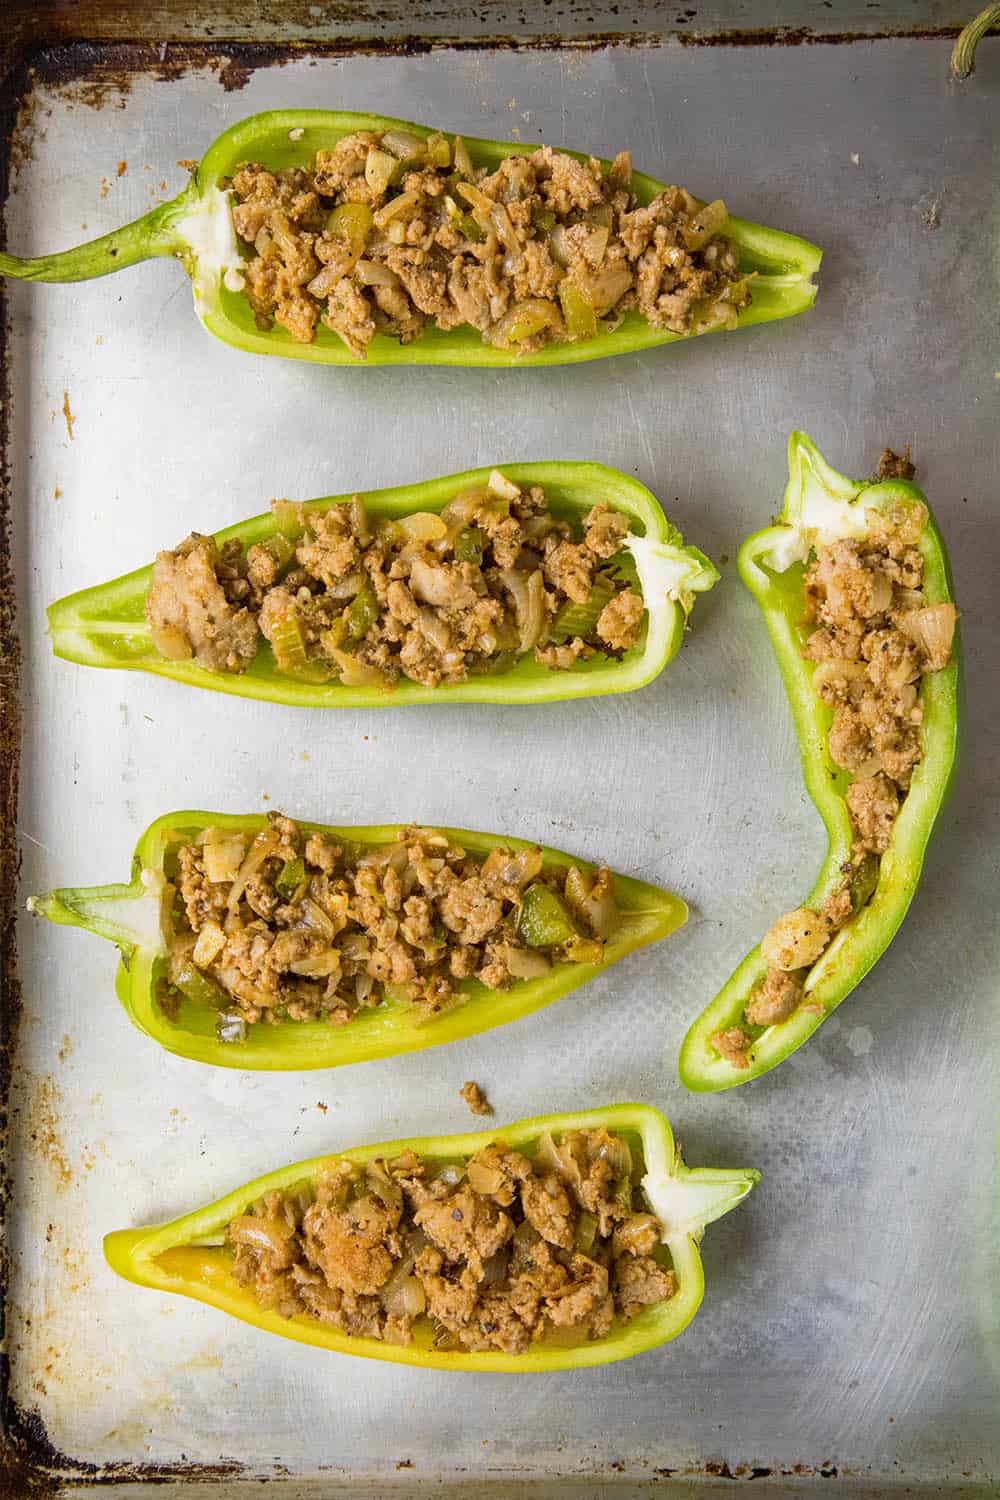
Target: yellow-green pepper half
(197, 228)
(822, 505)
(189, 1256)
(106, 626)
(136, 917)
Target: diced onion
(171, 642)
(371, 273)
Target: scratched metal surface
(851, 1319)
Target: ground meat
(873, 805)
(894, 465)
(488, 1251)
(475, 1098)
(639, 1282)
(876, 640)
(189, 612)
(776, 998)
(469, 246)
(733, 1045)
(435, 598)
(290, 926)
(619, 621)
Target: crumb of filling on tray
(475, 1098)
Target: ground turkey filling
(431, 597)
(497, 1252)
(387, 232)
(874, 638)
(288, 925)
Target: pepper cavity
(866, 643)
(436, 597)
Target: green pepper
(188, 1256)
(136, 918)
(106, 626)
(543, 920)
(362, 612)
(821, 504)
(196, 227)
(469, 545)
(291, 875)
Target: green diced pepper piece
(290, 877)
(196, 986)
(579, 315)
(544, 920)
(469, 545)
(362, 613)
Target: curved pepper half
(196, 227)
(106, 626)
(187, 1256)
(135, 917)
(821, 504)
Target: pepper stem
(154, 234)
(129, 915)
(963, 57)
(685, 1201)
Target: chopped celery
(288, 643)
(544, 920)
(581, 619)
(581, 319)
(351, 222)
(863, 882)
(280, 548)
(290, 877)
(469, 545)
(331, 640)
(438, 150)
(362, 613)
(586, 1232)
(543, 218)
(288, 519)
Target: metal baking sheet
(850, 1328)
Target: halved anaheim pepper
(854, 585)
(197, 228)
(106, 626)
(174, 991)
(193, 1255)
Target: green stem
(963, 57)
(154, 234)
(128, 915)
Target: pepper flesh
(105, 626)
(196, 227)
(817, 500)
(135, 916)
(187, 1256)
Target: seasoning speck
(70, 419)
(188, 163)
(475, 1098)
(121, 169)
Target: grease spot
(68, 415)
(859, 1041)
